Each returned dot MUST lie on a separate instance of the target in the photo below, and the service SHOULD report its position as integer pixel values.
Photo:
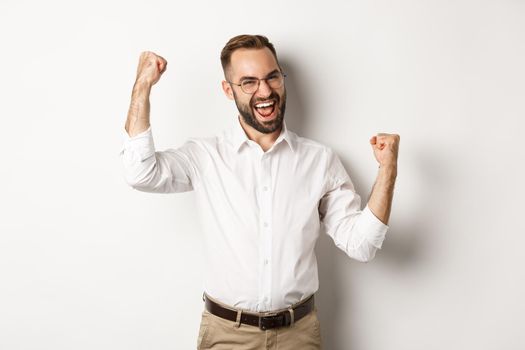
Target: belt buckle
(270, 316)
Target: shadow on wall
(334, 299)
(398, 250)
(296, 115)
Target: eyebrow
(250, 77)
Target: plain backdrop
(86, 262)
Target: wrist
(142, 86)
(390, 169)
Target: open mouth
(265, 109)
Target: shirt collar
(239, 137)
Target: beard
(265, 127)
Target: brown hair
(244, 41)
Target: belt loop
(291, 316)
(238, 321)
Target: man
(263, 193)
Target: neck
(264, 140)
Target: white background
(86, 262)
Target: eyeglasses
(250, 85)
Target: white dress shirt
(261, 212)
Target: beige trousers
(217, 333)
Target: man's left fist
(386, 147)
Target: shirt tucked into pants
(217, 333)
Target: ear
(227, 88)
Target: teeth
(266, 104)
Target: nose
(264, 89)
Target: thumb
(162, 67)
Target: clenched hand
(386, 148)
(150, 68)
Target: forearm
(139, 109)
(380, 201)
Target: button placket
(266, 230)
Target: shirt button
(265, 188)
(265, 261)
(265, 224)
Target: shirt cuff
(142, 143)
(372, 228)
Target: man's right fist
(151, 67)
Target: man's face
(256, 63)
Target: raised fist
(151, 66)
(386, 148)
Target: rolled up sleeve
(148, 170)
(359, 233)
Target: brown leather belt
(264, 320)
